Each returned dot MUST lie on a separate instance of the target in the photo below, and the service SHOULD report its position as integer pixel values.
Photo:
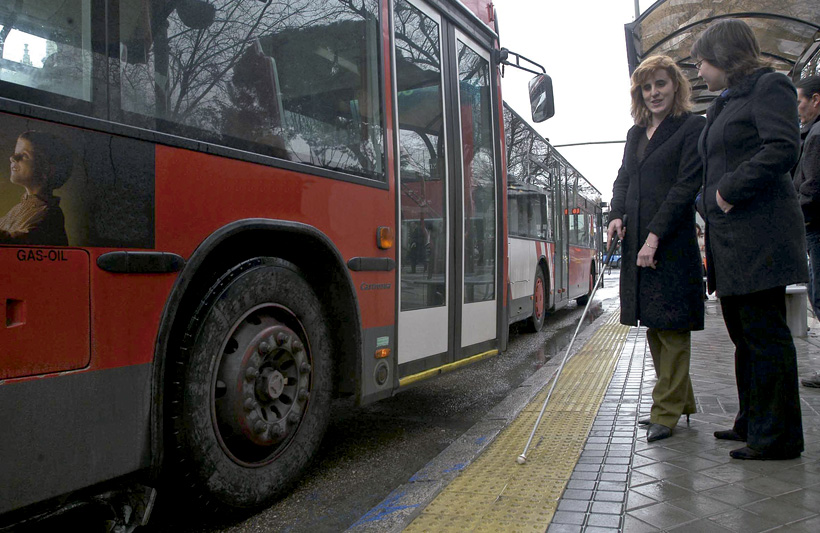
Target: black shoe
(749, 454)
(647, 421)
(657, 432)
(729, 434)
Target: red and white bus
(218, 216)
(554, 223)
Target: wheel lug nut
(304, 368)
(281, 338)
(250, 404)
(293, 418)
(298, 346)
(277, 431)
(251, 373)
(260, 427)
(264, 348)
(303, 395)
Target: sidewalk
(688, 483)
(590, 468)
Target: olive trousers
(673, 394)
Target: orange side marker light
(385, 237)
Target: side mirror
(542, 101)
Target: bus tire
(582, 300)
(252, 388)
(539, 302)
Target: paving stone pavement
(688, 482)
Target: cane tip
(521, 459)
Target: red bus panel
(44, 294)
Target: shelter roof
(788, 32)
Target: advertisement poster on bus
(65, 186)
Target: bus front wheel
(253, 386)
(539, 303)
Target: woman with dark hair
(661, 276)
(755, 242)
(41, 163)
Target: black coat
(658, 195)
(750, 144)
(807, 176)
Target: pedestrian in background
(807, 184)
(755, 242)
(661, 277)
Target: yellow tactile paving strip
(494, 493)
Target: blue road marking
(383, 510)
(458, 467)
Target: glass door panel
(479, 193)
(423, 187)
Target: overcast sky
(582, 45)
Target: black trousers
(765, 371)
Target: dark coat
(750, 143)
(807, 176)
(658, 195)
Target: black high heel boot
(657, 432)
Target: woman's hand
(723, 204)
(646, 255)
(615, 226)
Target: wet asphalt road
(370, 450)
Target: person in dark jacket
(807, 176)
(755, 241)
(807, 185)
(661, 273)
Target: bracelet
(649, 245)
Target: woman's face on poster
(24, 171)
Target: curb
(408, 500)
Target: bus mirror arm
(540, 87)
(502, 57)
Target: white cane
(523, 457)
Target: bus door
(479, 306)
(424, 179)
(561, 237)
(448, 251)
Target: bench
(796, 310)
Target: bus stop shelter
(788, 32)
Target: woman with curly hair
(661, 273)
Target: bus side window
(583, 234)
(512, 216)
(257, 115)
(47, 46)
(523, 216)
(543, 208)
(296, 80)
(536, 207)
(549, 221)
